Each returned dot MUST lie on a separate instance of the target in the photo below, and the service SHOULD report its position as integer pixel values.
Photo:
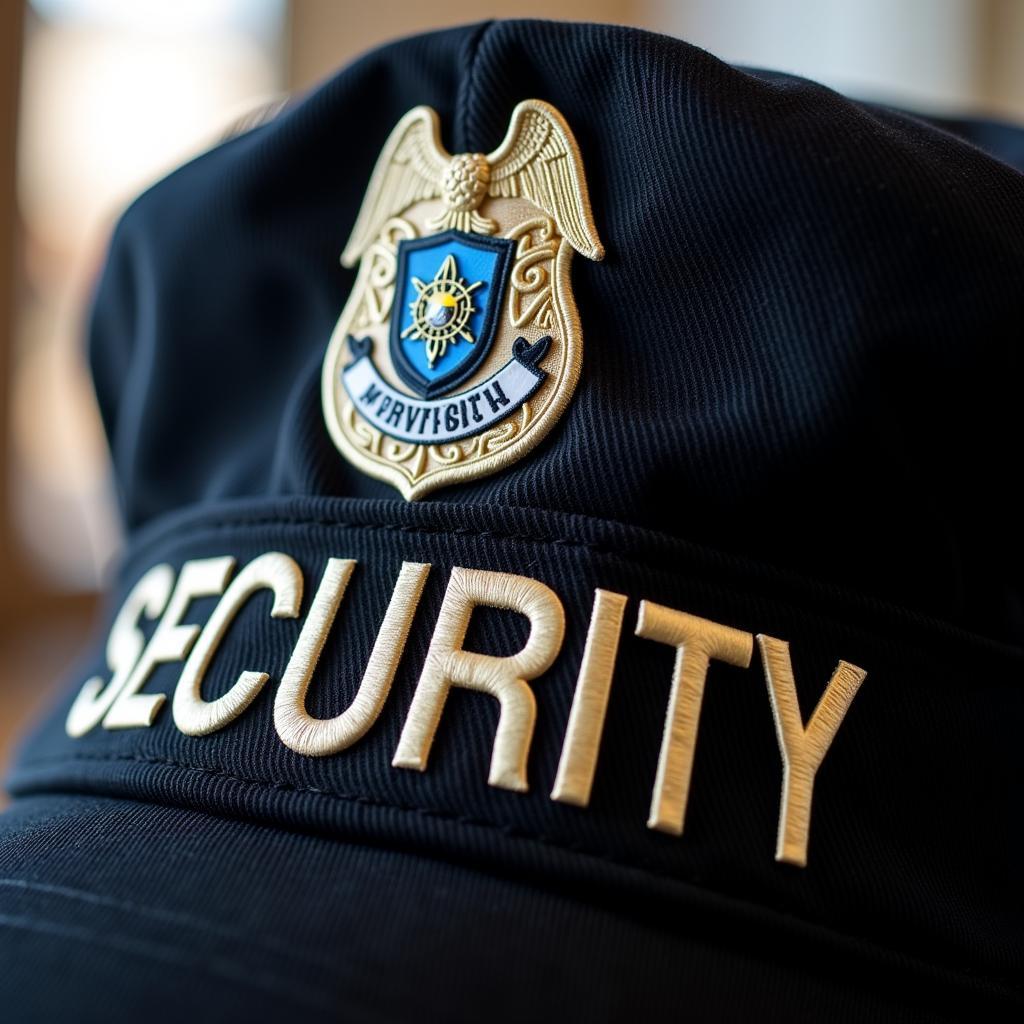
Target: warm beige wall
(1002, 59)
(10, 69)
(938, 55)
(328, 33)
(944, 55)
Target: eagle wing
(539, 160)
(408, 169)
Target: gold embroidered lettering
(697, 641)
(171, 641)
(578, 762)
(802, 749)
(447, 665)
(124, 645)
(197, 717)
(317, 737)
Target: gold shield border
(571, 338)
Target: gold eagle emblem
(460, 345)
(537, 160)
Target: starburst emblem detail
(441, 310)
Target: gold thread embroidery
(802, 749)
(697, 641)
(162, 595)
(197, 717)
(505, 678)
(317, 737)
(529, 300)
(124, 648)
(578, 762)
(377, 274)
(171, 641)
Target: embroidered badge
(460, 344)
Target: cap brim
(112, 907)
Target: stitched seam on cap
(752, 570)
(794, 593)
(464, 97)
(516, 833)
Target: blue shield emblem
(448, 298)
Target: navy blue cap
(788, 469)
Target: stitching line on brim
(807, 592)
(736, 904)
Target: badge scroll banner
(438, 421)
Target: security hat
(596, 597)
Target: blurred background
(99, 98)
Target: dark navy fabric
(102, 923)
(894, 883)
(999, 138)
(797, 416)
(115, 910)
(807, 327)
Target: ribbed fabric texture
(914, 850)
(803, 345)
(796, 416)
(393, 937)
